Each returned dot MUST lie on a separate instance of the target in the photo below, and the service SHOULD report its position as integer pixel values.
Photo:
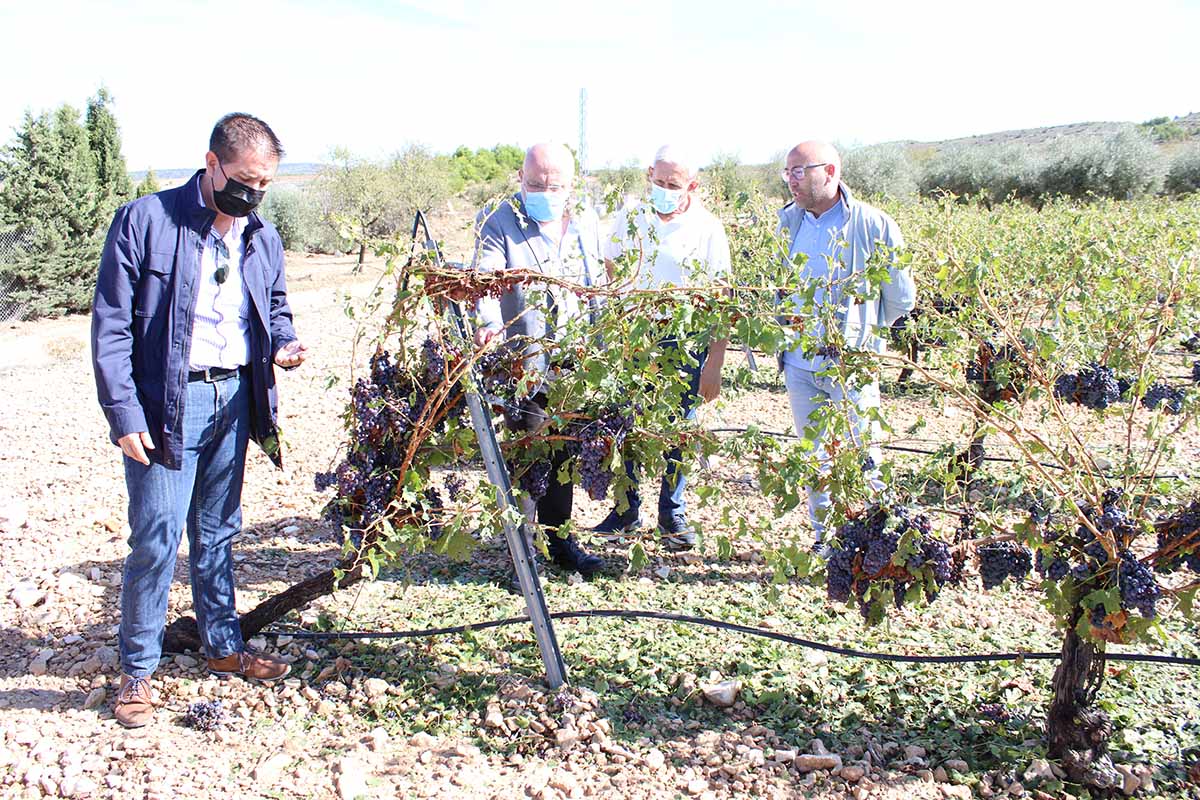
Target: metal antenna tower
(583, 131)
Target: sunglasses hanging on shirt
(222, 272)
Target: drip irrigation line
(921, 451)
(667, 616)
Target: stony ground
(62, 541)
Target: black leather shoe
(676, 534)
(568, 555)
(617, 525)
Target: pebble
(956, 792)
(269, 770)
(1130, 783)
(723, 694)
(351, 780)
(26, 594)
(375, 687)
(852, 773)
(655, 760)
(810, 762)
(697, 786)
(95, 698)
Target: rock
(663, 572)
(186, 662)
(271, 768)
(494, 718)
(289, 529)
(697, 786)
(13, 516)
(351, 780)
(422, 740)
(818, 747)
(852, 773)
(95, 698)
(38, 666)
(1130, 783)
(26, 594)
(913, 752)
(723, 694)
(940, 775)
(957, 764)
(956, 792)
(95, 575)
(375, 687)
(1039, 770)
(377, 739)
(258, 643)
(655, 760)
(784, 756)
(811, 762)
(566, 737)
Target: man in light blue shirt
(835, 236)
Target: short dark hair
(237, 133)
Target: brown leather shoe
(252, 666)
(135, 703)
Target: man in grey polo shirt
(534, 230)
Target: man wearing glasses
(680, 243)
(831, 237)
(189, 318)
(536, 231)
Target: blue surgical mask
(544, 206)
(666, 201)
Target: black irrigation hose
(920, 451)
(729, 626)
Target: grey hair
(673, 154)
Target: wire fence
(13, 243)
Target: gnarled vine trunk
(1077, 731)
(183, 636)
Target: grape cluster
(996, 712)
(1179, 535)
(1192, 343)
(1001, 560)
(1171, 398)
(866, 550)
(1139, 588)
(1095, 386)
(999, 372)
(593, 443)
(1196, 372)
(454, 484)
(385, 405)
(205, 715)
(536, 479)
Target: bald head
(548, 158)
(814, 170)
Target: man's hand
(710, 380)
(484, 335)
(710, 376)
(291, 354)
(135, 445)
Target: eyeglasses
(797, 173)
(538, 187)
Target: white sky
(750, 77)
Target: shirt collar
(833, 216)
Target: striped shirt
(221, 322)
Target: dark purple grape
(1001, 560)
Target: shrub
(881, 170)
(1184, 174)
(296, 216)
(993, 172)
(1120, 165)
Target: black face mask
(236, 199)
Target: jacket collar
(202, 217)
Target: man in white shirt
(680, 243)
(535, 231)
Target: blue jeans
(671, 501)
(205, 496)
(808, 391)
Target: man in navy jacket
(189, 319)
